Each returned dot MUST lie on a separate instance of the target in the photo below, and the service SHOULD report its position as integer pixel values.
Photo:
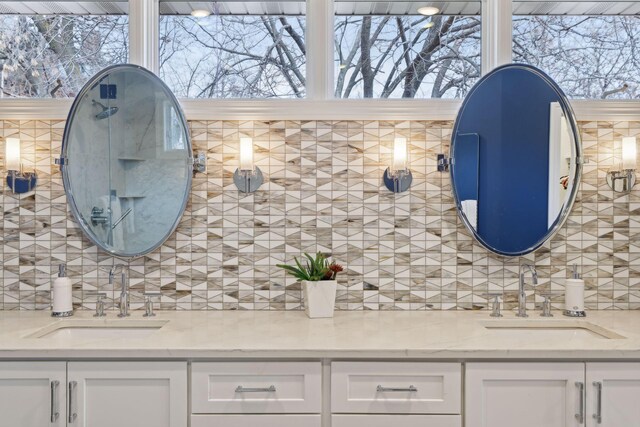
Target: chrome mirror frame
(63, 161)
(579, 160)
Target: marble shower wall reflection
(323, 192)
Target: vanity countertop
(435, 335)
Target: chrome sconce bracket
(443, 163)
(626, 177)
(22, 182)
(248, 181)
(398, 181)
(200, 163)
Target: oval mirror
(126, 161)
(515, 159)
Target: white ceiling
(297, 7)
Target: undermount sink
(99, 329)
(548, 329)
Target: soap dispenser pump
(61, 294)
(574, 295)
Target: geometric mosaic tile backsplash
(323, 192)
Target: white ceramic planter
(319, 298)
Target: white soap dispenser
(574, 295)
(61, 294)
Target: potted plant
(318, 277)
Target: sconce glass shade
(246, 154)
(629, 153)
(248, 178)
(399, 154)
(397, 177)
(622, 178)
(12, 154)
(17, 181)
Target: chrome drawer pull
(382, 389)
(72, 389)
(55, 405)
(270, 389)
(580, 415)
(598, 414)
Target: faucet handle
(495, 305)
(546, 307)
(148, 304)
(100, 296)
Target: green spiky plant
(315, 269)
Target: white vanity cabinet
(613, 394)
(127, 394)
(552, 394)
(525, 394)
(93, 394)
(303, 394)
(33, 394)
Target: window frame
(319, 104)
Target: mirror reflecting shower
(126, 161)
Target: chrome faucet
(522, 296)
(124, 290)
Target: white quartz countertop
(439, 335)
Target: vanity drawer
(256, 387)
(395, 420)
(396, 387)
(256, 421)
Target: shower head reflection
(106, 111)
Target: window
(588, 48)
(248, 53)
(236, 50)
(51, 49)
(389, 50)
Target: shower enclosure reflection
(127, 162)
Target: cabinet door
(613, 393)
(127, 394)
(524, 395)
(32, 394)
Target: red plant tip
(336, 268)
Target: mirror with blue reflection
(515, 157)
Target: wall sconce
(19, 182)
(248, 177)
(625, 174)
(398, 177)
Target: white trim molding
(34, 109)
(306, 109)
(319, 36)
(144, 33)
(593, 110)
(497, 34)
(335, 109)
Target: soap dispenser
(574, 295)
(61, 294)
